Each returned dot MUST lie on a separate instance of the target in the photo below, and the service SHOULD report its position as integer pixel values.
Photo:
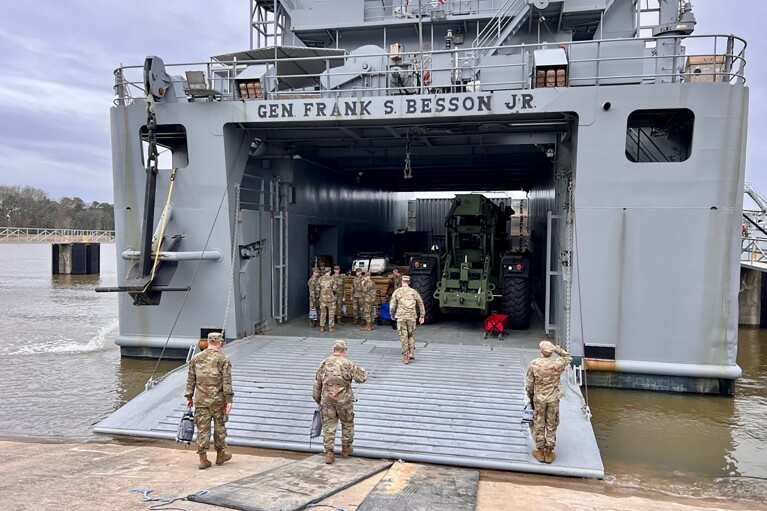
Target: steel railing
(754, 249)
(221, 75)
(40, 235)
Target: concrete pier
(752, 299)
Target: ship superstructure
(625, 127)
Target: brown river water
(62, 373)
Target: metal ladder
(279, 217)
(505, 22)
(648, 16)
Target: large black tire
(426, 284)
(517, 302)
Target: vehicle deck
(458, 403)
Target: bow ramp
(453, 405)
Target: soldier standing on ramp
(314, 294)
(368, 299)
(327, 285)
(357, 297)
(339, 292)
(403, 303)
(544, 389)
(332, 391)
(209, 382)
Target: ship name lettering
(526, 102)
(274, 110)
(345, 109)
(431, 105)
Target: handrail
(45, 235)
(225, 72)
(752, 248)
(497, 24)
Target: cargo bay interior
(341, 189)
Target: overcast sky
(57, 59)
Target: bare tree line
(26, 206)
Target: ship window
(171, 146)
(654, 136)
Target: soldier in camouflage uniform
(209, 389)
(328, 287)
(357, 296)
(395, 281)
(368, 291)
(314, 294)
(402, 307)
(544, 389)
(333, 393)
(339, 292)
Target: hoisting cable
(586, 408)
(237, 221)
(150, 383)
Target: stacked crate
(383, 293)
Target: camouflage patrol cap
(327, 269)
(547, 348)
(406, 278)
(339, 345)
(315, 269)
(336, 267)
(367, 274)
(358, 270)
(215, 337)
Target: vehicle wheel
(425, 284)
(517, 301)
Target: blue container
(385, 311)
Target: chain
(408, 169)
(568, 261)
(152, 159)
(151, 126)
(237, 221)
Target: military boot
(204, 462)
(356, 321)
(222, 457)
(346, 450)
(322, 329)
(405, 359)
(411, 355)
(331, 330)
(549, 454)
(539, 454)
(330, 458)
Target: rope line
(164, 501)
(161, 234)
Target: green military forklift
(478, 272)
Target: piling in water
(76, 258)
